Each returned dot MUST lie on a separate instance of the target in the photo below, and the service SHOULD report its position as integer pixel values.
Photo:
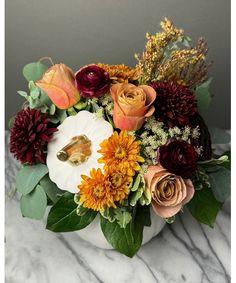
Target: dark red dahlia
(174, 103)
(29, 136)
(178, 157)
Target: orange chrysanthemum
(121, 73)
(100, 191)
(121, 151)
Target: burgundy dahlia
(178, 157)
(92, 81)
(174, 103)
(29, 136)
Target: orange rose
(169, 192)
(132, 105)
(59, 84)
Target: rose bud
(178, 157)
(132, 105)
(92, 81)
(59, 84)
(169, 192)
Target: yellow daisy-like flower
(122, 73)
(100, 191)
(121, 151)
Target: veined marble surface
(183, 252)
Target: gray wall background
(78, 32)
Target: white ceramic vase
(93, 233)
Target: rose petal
(164, 211)
(190, 190)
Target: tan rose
(169, 192)
(59, 84)
(132, 105)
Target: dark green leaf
(63, 217)
(34, 204)
(34, 71)
(204, 207)
(220, 184)
(126, 240)
(50, 188)
(29, 176)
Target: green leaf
(219, 136)
(11, 122)
(125, 240)
(34, 204)
(203, 98)
(34, 71)
(63, 217)
(61, 115)
(71, 111)
(35, 92)
(145, 210)
(220, 184)
(52, 109)
(50, 188)
(123, 217)
(204, 207)
(29, 176)
(22, 93)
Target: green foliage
(220, 184)
(139, 192)
(125, 240)
(200, 179)
(123, 217)
(219, 136)
(29, 176)
(204, 207)
(11, 122)
(33, 205)
(64, 218)
(215, 164)
(203, 96)
(50, 188)
(34, 71)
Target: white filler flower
(72, 152)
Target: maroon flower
(30, 135)
(178, 157)
(174, 103)
(92, 81)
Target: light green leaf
(61, 115)
(71, 111)
(34, 71)
(52, 109)
(63, 217)
(35, 92)
(123, 217)
(29, 176)
(50, 188)
(22, 93)
(33, 205)
(219, 136)
(204, 207)
(220, 184)
(136, 183)
(203, 98)
(11, 122)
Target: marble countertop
(183, 252)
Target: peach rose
(169, 192)
(132, 105)
(59, 84)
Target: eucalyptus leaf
(204, 207)
(11, 122)
(34, 71)
(219, 136)
(22, 93)
(29, 176)
(33, 205)
(203, 98)
(220, 184)
(63, 217)
(50, 188)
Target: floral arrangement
(115, 142)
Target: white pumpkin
(66, 176)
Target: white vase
(93, 233)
